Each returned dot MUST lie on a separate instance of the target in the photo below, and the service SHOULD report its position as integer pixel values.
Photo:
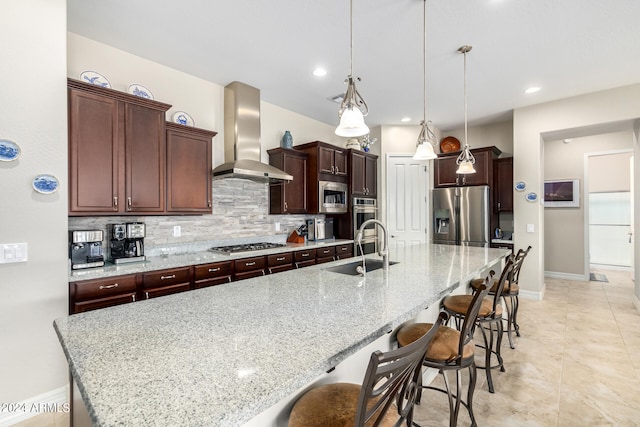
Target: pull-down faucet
(384, 252)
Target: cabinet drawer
(208, 271)
(165, 290)
(301, 264)
(102, 288)
(250, 274)
(94, 304)
(250, 264)
(329, 251)
(344, 251)
(198, 284)
(164, 278)
(281, 268)
(325, 259)
(279, 259)
(305, 255)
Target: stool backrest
(470, 317)
(394, 376)
(506, 274)
(519, 259)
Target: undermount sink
(350, 269)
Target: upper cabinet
(503, 185)
(363, 173)
(118, 156)
(288, 197)
(445, 169)
(326, 162)
(188, 169)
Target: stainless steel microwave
(332, 197)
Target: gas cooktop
(246, 247)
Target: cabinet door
(371, 176)
(144, 159)
(188, 171)
(93, 154)
(92, 294)
(504, 185)
(295, 192)
(483, 169)
(325, 160)
(340, 162)
(444, 171)
(358, 185)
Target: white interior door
(407, 201)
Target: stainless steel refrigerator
(461, 216)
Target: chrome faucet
(384, 252)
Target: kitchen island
(220, 356)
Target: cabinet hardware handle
(229, 277)
(270, 271)
(249, 263)
(115, 285)
(128, 203)
(305, 254)
(337, 170)
(326, 251)
(211, 270)
(209, 203)
(115, 203)
(146, 294)
(173, 276)
(285, 206)
(133, 297)
(343, 249)
(280, 259)
(264, 273)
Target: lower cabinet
(89, 295)
(325, 254)
(165, 282)
(247, 268)
(280, 262)
(304, 258)
(212, 274)
(344, 251)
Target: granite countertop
(224, 354)
(161, 262)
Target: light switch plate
(530, 228)
(177, 231)
(13, 252)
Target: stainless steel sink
(350, 269)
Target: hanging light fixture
(426, 139)
(353, 108)
(465, 160)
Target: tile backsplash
(240, 212)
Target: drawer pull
(249, 264)
(229, 277)
(212, 270)
(173, 276)
(280, 259)
(133, 297)
(115, 285)
(344, 249)
(146, 294)
(307, 254)
(326, 251)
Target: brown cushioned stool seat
(460, 303)
(444, 346)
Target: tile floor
(576, 364)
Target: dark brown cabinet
(188, 169)
(325, 254)
(445, 169)
(116, 152)
(503, 185)
(93, 294)
(212, 274)
(326, 162)
(165, 282)
(288, 197)
(280, 262)
(363, 173)
(344, 251)
(304, 258)
(247, 268)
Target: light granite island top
(219, 356)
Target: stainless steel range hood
(242, 137)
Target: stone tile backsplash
(240, 214)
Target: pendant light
(353, 108)
(465, 160)
(426, 139)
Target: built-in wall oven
(363, 210)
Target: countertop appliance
(320, 229)
(332, 197)
(127, 242)
(461, 215)
(245, 247)
(85, 249)
(364, 209)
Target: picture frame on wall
(562, 193)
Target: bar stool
(450, 350)
(489, 318)
(510, 293)
(391, 377)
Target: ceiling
(567, 48)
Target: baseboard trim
(52, 401)
(636, 302)
(533, 295)
(566, 276)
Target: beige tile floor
(576, 364)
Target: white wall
(33, 113)
(498, 134)
(555, 120)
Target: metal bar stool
(489, 318)
(450, 350)
(391, 377)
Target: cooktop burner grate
(247, 247)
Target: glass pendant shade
(352, 123)
(424, 152)
(465, 167)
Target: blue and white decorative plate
(9, 150)
(139, 90)
(183, 118)
(532, 197)
(45, 184)
(520, 186)
(95, 79)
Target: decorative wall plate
(9, 150)
(183, 118)
(95, 79)
(45, 184)
(532, 197)
(139, 90)
(520, 186)
(449, 144)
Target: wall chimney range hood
(242, 137)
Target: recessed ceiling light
(532, 89)
(405, 119)
(319, 72)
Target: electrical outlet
(277, 226)
(13, 252)
(177, 231)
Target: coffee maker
(85, 249)
(127, 242)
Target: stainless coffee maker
(85, 249)
(127, 242)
